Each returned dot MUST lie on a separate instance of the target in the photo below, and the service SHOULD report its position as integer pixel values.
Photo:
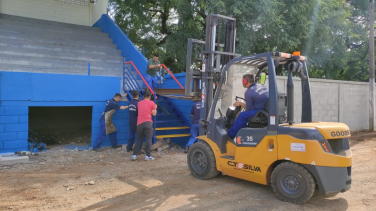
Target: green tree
(331, 33)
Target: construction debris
(22, 153)
(161, 145)
(82, 135)
(34, 142)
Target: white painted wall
(97, 9)
(54, 10)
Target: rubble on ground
(63, 155)
(82, 135)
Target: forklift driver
(256, 97)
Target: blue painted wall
(170, 83)
(19, 90)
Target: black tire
(292, 183)
(201, 161)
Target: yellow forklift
(295, 158)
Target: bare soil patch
(59, 180)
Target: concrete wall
(18, 91)
(332, 101)
(56, 10)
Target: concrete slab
(15, 159)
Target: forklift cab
(266, 121)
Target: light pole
(371, 67)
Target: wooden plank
(171, 91)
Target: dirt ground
(58, 180)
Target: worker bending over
(146, 108)
(107, 127)
(256, 97)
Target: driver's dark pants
(241, 121)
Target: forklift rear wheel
(293, 183)
(201, 161)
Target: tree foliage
(333, 34)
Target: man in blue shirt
(195, 115)
(107, 127)
(133, 113)
(256, 97)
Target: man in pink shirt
(146, 108)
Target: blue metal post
(160, 79)
(124, 73)
(163, 75)
(88, 68)
(143, 51)
(127, 33)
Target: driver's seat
(260, 119)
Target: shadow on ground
(220, 193)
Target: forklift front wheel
(201, 161)
(293, 183)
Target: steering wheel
(237, 97)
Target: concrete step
(58, 63)
(55, 46)
(46, 37)
(54, 70)
(38, 28)
(41, 53)
(17, 20)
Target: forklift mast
(215, 56)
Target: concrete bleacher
(40, 46)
